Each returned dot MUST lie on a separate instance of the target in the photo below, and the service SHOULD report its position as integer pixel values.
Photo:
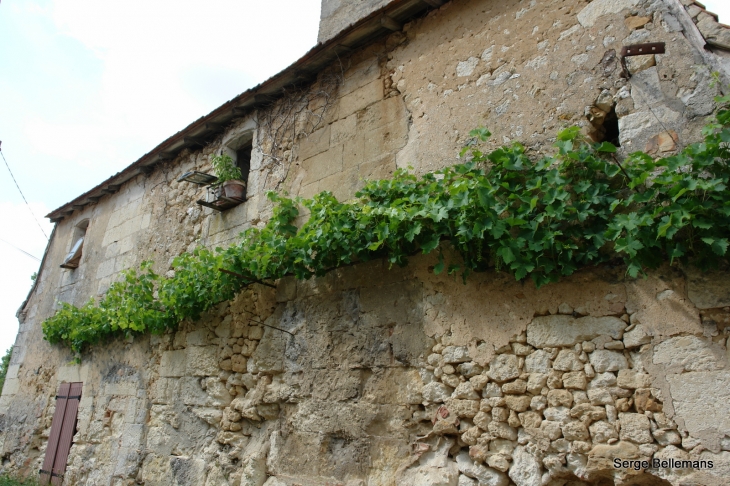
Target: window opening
(611, 127)
(243, 161)
(74, 256)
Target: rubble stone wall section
(376, 376)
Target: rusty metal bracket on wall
(639, 50)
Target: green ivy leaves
(541, 219)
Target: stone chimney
(336, 15)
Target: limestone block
(633, 379)
(526, 469)
(503, 368)
(599, 8)
(639, 64)
(361, 98)
(492, 390)
(482, 420)
(635, 427)
(602, 380)
(600, 396)
(516, 387)
(538, 362)
(202, 361)
(702, 400)
(385, 140)
(601, 457)
(10, 387)
(315, 143)
(470, 370)
(197, 338)
(688, 353)
(269, 354)
(714, 33)
(361, 74)
(211, 416)
(121, 388)
(518, 403)
(193, 394)
(567, 360)
(561, 330)
(382, 113)
(557, 414)
(636, 337)
(484, 475)
(588, 412)
(239, 363)
(163, 390)
(575, 430)
(463, 408)
(465, 480)
(67, 374)
(536, 382)
(602, 431)
(465, 390)
(431, 475)
(530, 419)
(173, 363)
(667, 437)
(575, 380)
(502, 430)
(708, 290)
(551, 429)
(604, 360)
(636, 22)
(636, 128)
(559, 398)
(322, 165)
(436, 392)
(455, 354)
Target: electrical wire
(23, 251)
(21, 193)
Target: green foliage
(225, 168)
(4, 363)
(541, 219)
(9, 480)
(34, 276)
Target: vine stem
(620, 166)
(252, 280)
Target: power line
(33, 257)
(21, 193)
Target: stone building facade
(398, 376)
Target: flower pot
(234, 189)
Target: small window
(243, 160)
(74, 256)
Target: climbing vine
(539, 219)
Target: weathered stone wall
(336, 15)
(398, 376)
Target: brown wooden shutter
(63, 428)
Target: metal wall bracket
(643, 49)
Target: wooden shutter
(63, 428)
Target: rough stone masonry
(392, 376)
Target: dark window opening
(243, 160)
(74, 256)
(610, 126)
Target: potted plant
(229, 182)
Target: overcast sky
(88, 86)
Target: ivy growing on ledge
(541, 219)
